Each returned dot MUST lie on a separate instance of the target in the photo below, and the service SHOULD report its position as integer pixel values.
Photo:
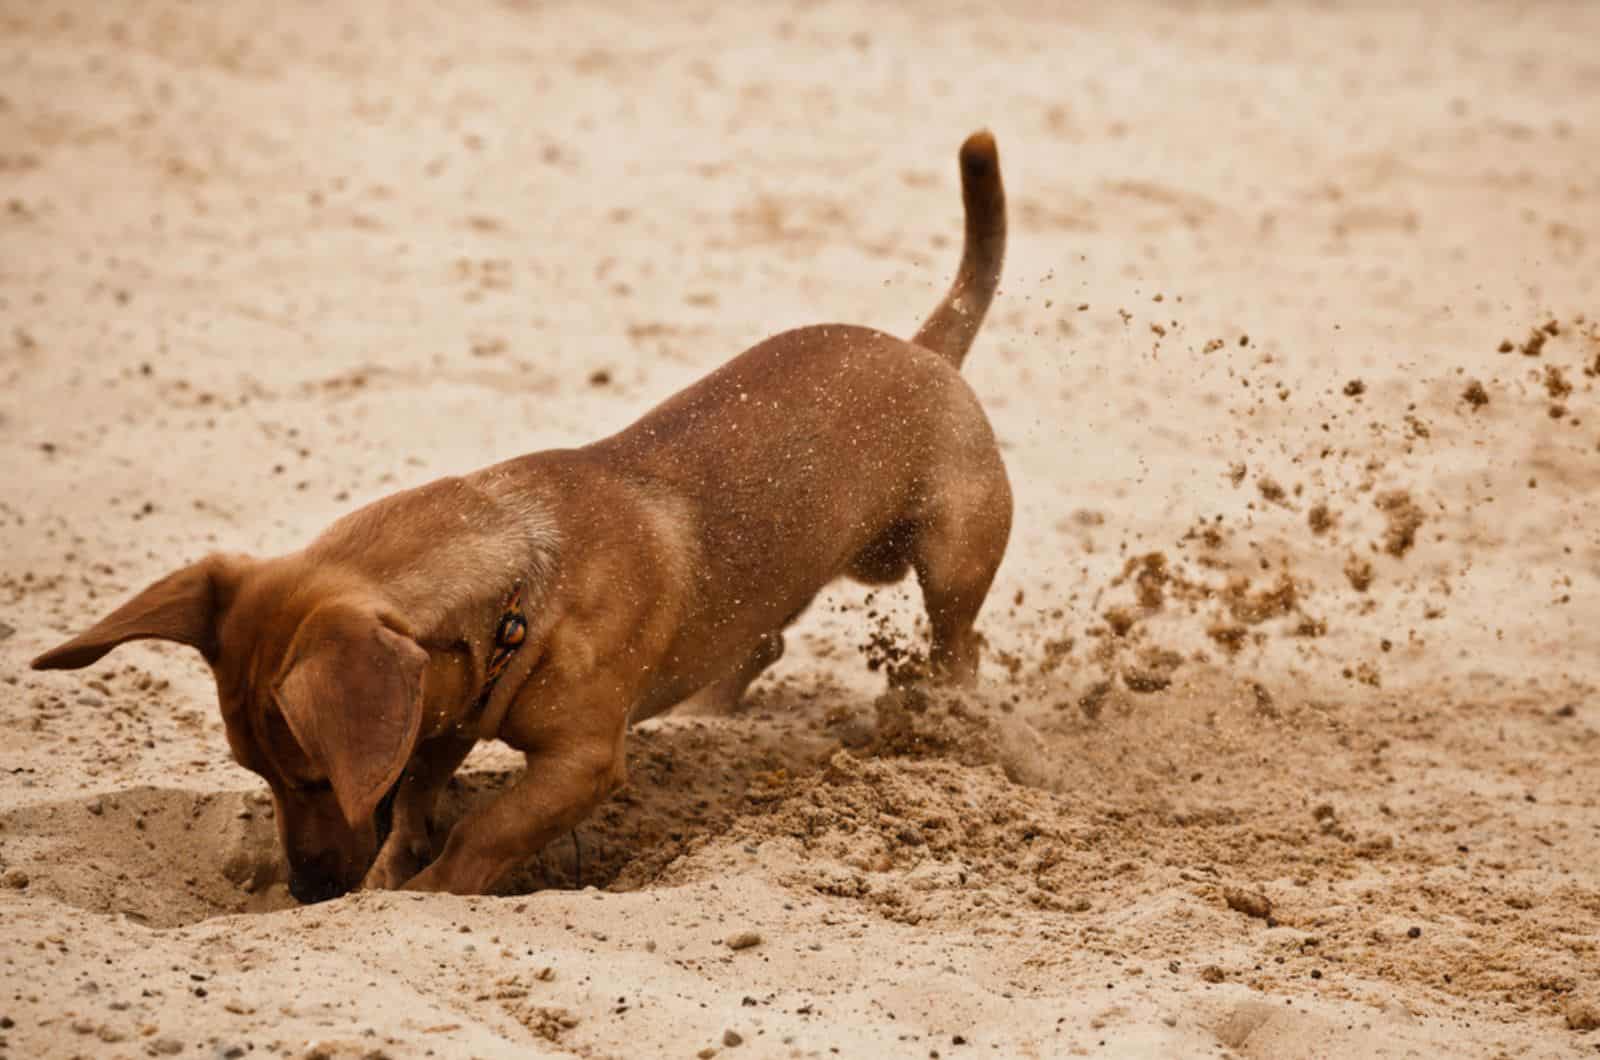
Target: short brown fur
(657, 566)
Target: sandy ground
(1288, 745)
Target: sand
(1288, 743)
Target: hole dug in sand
(166, 857)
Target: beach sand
(1288, 742)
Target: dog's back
(829, 449)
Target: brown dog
(549, 600)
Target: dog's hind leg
(956, 551)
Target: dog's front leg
(410, 846)
(555, 792)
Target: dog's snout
(310, 887)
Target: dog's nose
(310, 888)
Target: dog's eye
(512, 631)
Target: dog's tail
(950, 329)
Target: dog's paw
(396, 864)
(383, 876)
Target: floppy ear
(181, 607)
(353, 698)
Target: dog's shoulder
(442, 546)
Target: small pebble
(1414, 933)
(16, 878)
(1582, 1011)
(744, 940)
(167, 1046)
(1250, 903)
(732, 1038)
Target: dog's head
(321, 693)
